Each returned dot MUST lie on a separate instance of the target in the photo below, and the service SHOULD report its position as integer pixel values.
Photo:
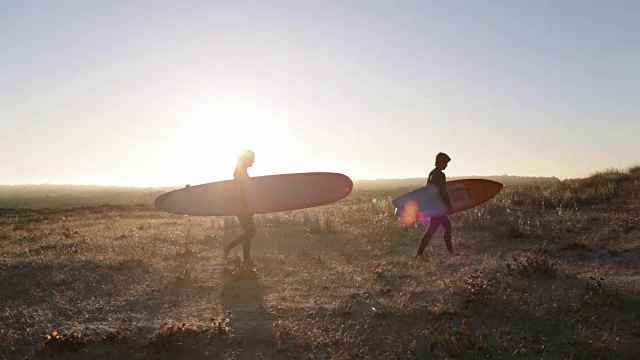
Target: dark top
(241, 175)
(437, 178)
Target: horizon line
(354, 180)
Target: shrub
(476, 288)
(457, 342)
(539, 263)
(599, 297)
(58, 342)
(172, 337)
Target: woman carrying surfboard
(437, 178)
(241, 175)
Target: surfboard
(464, 194)
(264, 194)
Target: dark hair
(442, 158)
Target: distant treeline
(68, 196)
(421, 181)
(394, 187)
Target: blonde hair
(246, 156)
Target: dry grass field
(547, 271)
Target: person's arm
(442, 191)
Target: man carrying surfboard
(241, 176)
(438, 179)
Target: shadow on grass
(251, 324)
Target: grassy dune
(546, 271)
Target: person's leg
(249, 232)
(447, 233)
(246, 221)
(434, 222)
(238, 240)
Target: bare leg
(249, 228)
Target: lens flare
(408, 213)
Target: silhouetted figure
(437, 178)
(241, 176)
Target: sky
(164, 93)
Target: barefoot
(419, 257)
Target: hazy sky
(155, 93)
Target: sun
(212, 134)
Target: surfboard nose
(159, 200)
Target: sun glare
(212, 134)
